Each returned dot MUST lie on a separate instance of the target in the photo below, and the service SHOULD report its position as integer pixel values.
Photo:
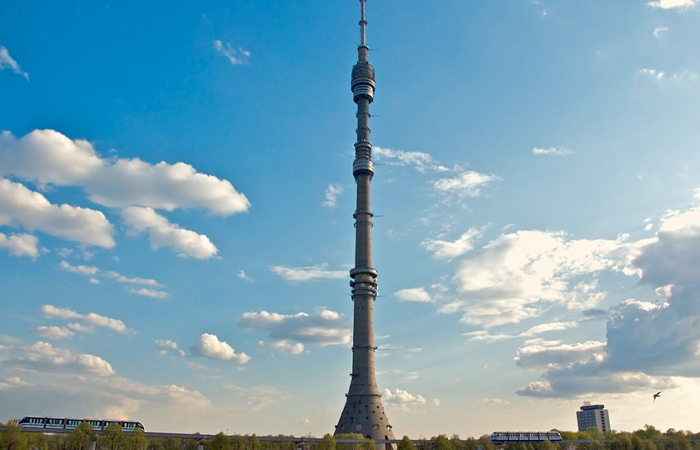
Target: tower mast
(363, 412)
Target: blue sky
(176, 201)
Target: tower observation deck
(363, 412)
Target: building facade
(593, 416)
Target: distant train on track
(65, 423)
(504, 437)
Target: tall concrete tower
(363, 412)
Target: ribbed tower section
(363, 412)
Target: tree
(12, 437)
(470, 444)
(406, 444)
(113, 438)
(327, 443)
(485, 442)
(136, 441)
(368, 444)
(442, 443)
(220, 442)
(81, 437)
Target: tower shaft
(363, 412)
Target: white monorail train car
(65, 423)
(504, 437)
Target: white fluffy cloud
(514, 275)
(54, 332)
(209, 346)
(43, 357)
(98, 320)
(672, 4)
(421, 161)
(96, 274)
(162, 233)
(287, 331)
(418, 294)
(22, 207)
(402, 399)
(282, 346)
(331, 195)
(451, 249)
(164, 346)
(49, 157)
(465, 184)
(650, 344)
(309, 273)
(20, 244)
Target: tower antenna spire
(363, 412)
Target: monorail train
(503, 437)
(64, 423)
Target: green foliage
(136, 441)
(238, 443)
(220, 442)
(81, 437)
(113, 438)
(12, 437)
(485, 442)
(456, 443)
(346, 446)
(368, 444)
(406, 444)
(442, 443)
(328, 443)
(470, 444)
(163, 443)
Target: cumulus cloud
(308, 273)
(235, 56)
(7, 62)
(422, 162)
(451, 249)
(245, 277)
(54, 332)
(165, 346)
(24, 208)
(162, 233)
(209, 346)
(418, 294)
(402, 399)
(331, 195)
(514, 276)
(672, 4)
(552, 151)
(282, 346)
(650, 344)
(49, 157)
(20, 244)
(466, 184)
(12, 382)
(43, 357)
(289, 333)
(98, 320)
(94, 272)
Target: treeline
(12, 437)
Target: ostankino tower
(363, 412)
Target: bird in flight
(657, 395)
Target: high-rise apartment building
(593, 416)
